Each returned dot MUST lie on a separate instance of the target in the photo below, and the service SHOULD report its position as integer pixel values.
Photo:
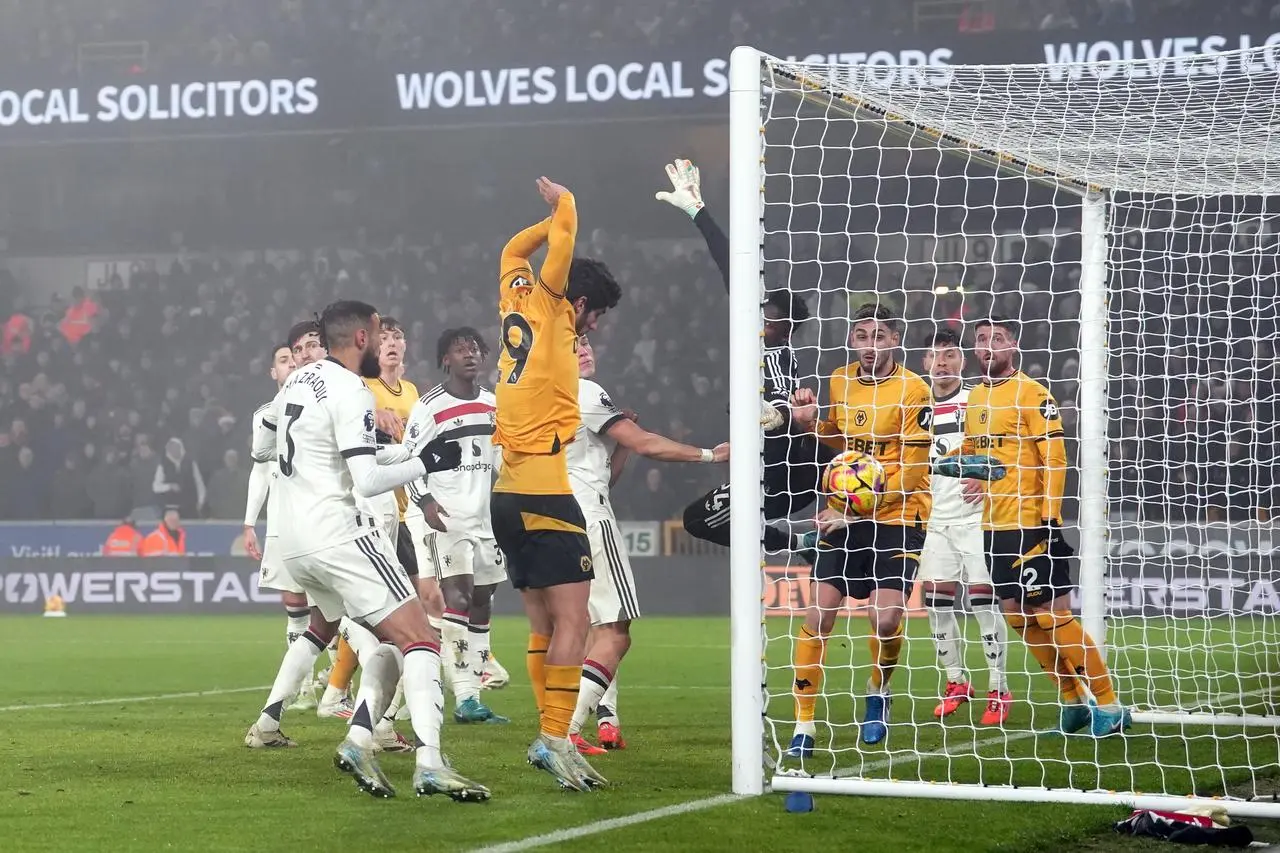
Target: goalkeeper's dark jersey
(789, 460)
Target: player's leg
(893, 557)
(1077, 653)
(299, 660)
(566, 604)
(394, 614)
(968, 542)
(458, 557)
(939, 571)
(830, 586)
(608, 721)
(336, 699)
(612, 605)
(707, 518)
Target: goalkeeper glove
(440, 454)
(972, 467)
(770, 417)
(686, 190)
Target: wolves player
(882, 409)
(455, 504)
(792, 461)
(536, 520)
(597, 455)
(953, 550)
(297, 614)
(1015, 419)
(327, 455)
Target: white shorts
(454, 554)
(272, 575)
(613, 591)
(954, 553)
(361, 579)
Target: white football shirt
(463, 492)
(591, 449)
(948, 434)
(324, 416)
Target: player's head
(944, 359)
(874, 334)
(783, 311)
(593, 291)
(586, 358)
(281, 363)
(392, 345)
(352, 332)
(995, 343)
(304, 343)
(461, 352)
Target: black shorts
(869, 555)
(1026, 567)
(543, 537)
(405, 550)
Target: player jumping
(792, 461)
(332, 547)
(1015, 419)
(606, 438)
(882, 409)
(536, 521)
(953, 551)
(455, 505)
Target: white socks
(298, 662)
(460, 657)
(591, 689)
(381, 674)
(607, 709)
(946, 634)
(992, 626)
(425, 697)
(296, 621)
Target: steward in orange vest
(124, 541)
(167, 540)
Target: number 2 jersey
(324, 416)
(463, 493)
(537, 391)
(887, 418)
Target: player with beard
(327, 455)
(793, 461)
(1015, 419)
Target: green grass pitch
(166, 770)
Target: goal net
(1123, 215)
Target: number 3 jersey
(323, 416)
(463, 493)
(948, 435)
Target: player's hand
(686, 187)
(251, 543)
(439, 454)
(830, 519)
(550, 191)
(972, 491)
(804, 408)
(770, 418)
(630, 415)
(389, 422)
(720, 453)
(434, 513)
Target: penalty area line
(599, 826)
(127, 700)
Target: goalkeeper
(793, 462)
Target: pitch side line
(160, 697)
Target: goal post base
(1010, 794)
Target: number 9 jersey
(537, 390)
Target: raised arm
(686, 194)
(654, 446)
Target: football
(852, 482)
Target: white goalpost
(1126, 215)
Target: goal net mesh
(951, 194)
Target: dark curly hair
(592, 280)
(298, 331)
(791, 305)
(464, 334)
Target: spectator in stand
(68, 495)
(15, 336)
(177, 479)
(227, 488)
(169, 539)
(79, 317)
(109, 487)
(142, 475)
(28, 490)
